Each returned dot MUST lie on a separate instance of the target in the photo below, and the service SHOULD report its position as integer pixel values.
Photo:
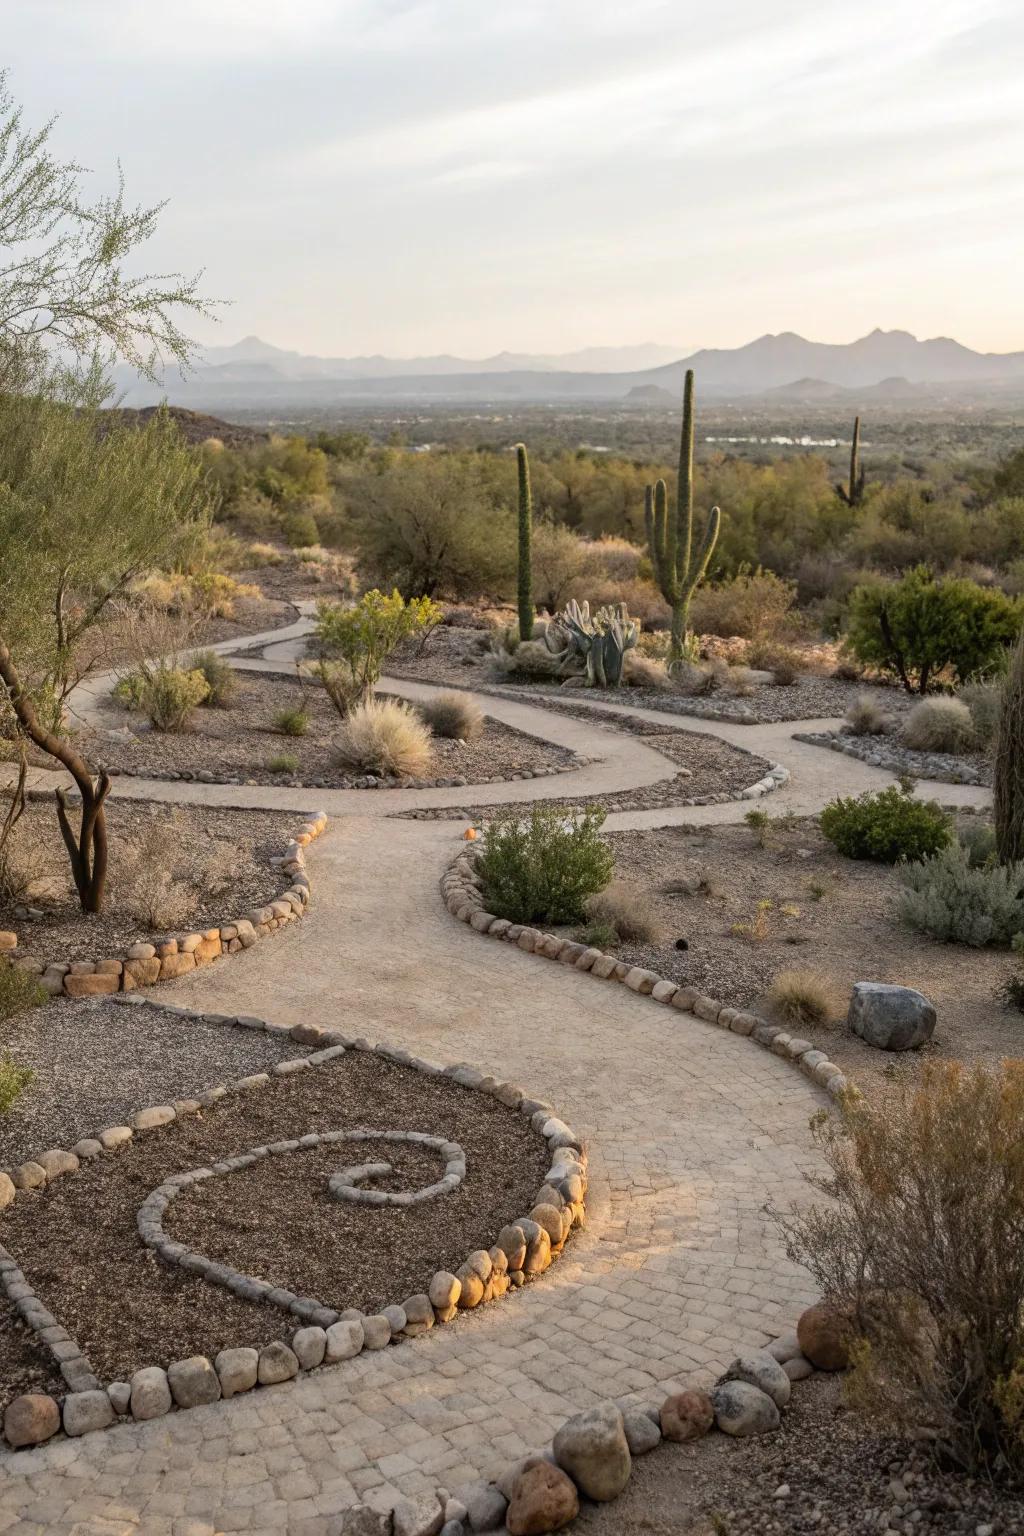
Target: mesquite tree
(86, 506)
(853, 494)
(680, 565)
(524, 590)
(1008, 782)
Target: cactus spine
(853, 494)
(1008, 776)
(679, 565)
(525, 587)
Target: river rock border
(145, 964)
(463, 896)
(592, 1453)
(522, 1250)
(942, 767)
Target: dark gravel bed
(218, 861)
(890, 752)
(78, 1245)
(238, 744)
(26, 1365)
(95, 1062)
(826, 1471)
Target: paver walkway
(690, 1129)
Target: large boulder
(824, 1335)
(890, 1017)
(31, 1419)
(593, 1449)
(545, 1499)
(761, 1370)
(742, 1409)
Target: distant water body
(785, 442)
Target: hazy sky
(422, 175)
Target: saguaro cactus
(679, 565)
(1008, 779)
(525, 587)
(853, 494)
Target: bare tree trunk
(87, 850)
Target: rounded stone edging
(935, 767)
(523, 1250)
(144, 964)
(463, 897)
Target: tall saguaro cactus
(853, 494)
(525, 586)
(680, 564)
(1008, 777)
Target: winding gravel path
(690, 1130)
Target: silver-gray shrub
(948, 898)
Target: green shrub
(919, 1246)
(283, 762)
(291, 722)
(221, 678)
(19, 991)
(13, 1081)
(171, 694)
(919, 626)
(384, 736)
(356, 641)
(953, 900)
(978, 839)
(984, 700)
(130, 690)
(543, 868)
(455, 716)
(887, 826)
(942, 724)
(300, 530)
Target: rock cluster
(144, 964)
(899, 759)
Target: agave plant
(600, 640)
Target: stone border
(592, 1453)
(523, 1250)
(145, 964)
(938, 767)
(463, 896)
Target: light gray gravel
(95, 1062)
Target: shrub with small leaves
(291, 722)
(952, 900)
(13, 1082)
(544, 867)
(171, 694)
(887, 826)
(454, 716)
(19, 991)
(221, 678)
(941, 724)
(283, 762)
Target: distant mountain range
(886, 365)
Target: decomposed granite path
(690, 1130)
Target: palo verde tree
(680, 564)
(524, 588)
(853, 494)
(86, 506)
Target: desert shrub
(258, 554)
(13, 1082)
(605, 936)
(300, 529)
(19, 991)
(163, 872)
(920, 626)
(950, 899)
(887, 826)
(641, 671)
(562, 565)
(942, 724)
(801, 998)
(528, 662)
(544, 867)
(619, 560)
(753, 604)
(920, 1245)
(642, 598)
(291, 722)
(978, 839)
(866, 717)
(170, 695)
(283, 762)
(627, 911)
(384, 736)
(355, 642)
(456, 716)
(130, 690)
(221, 678)
(984, 700)
(781, 660)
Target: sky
(419, 176)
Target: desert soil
(79, 1248)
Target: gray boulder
(742, 1409)
(890, 1017)
(593, 1449)
(761, 1370)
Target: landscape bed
(77, 1241)
(240, 743)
